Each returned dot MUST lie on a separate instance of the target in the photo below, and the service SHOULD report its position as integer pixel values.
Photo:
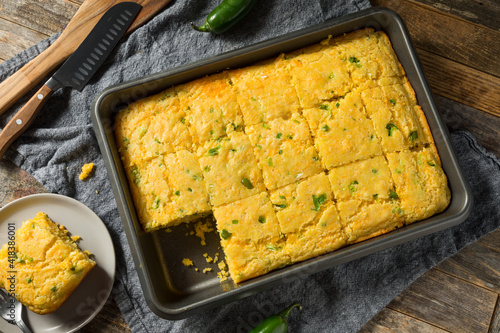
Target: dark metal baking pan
(174, 291)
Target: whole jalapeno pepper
(226, 15)
(277, 323)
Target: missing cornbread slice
(46, 264)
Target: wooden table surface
(458, 43)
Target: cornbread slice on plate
(168, 190)
(308, 218)
(230, 169)
(48, 265)
(285, 151)
(250, 236)
(211, 107)
(265, 91)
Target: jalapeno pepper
(226, 15)
(277, 323)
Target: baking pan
(174, 291)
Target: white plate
(91, 295)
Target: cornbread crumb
(76, 238)
(223, 274)
(206, 270)
(187, 262)
(86, 170)
(201, 228)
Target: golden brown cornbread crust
(296, 156)
(47, 265)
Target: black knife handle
(23, 118)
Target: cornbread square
(184, 176)
(265, 91)
(250, 236)
(230, 169)
(368, 56)
(318, 74)
(150, 191)
(308, 218)
(362, 221)
(378, 108)
(285, 151)
(348, 135)
(368, 180)
(165, 194)
(211, 107)
(421, 185)
(48, 265)
(408, 116)
(152, 127)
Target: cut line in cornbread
(299, 155)
(48, 265)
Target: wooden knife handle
(22, 119)
(22, 81)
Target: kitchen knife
(77, 70)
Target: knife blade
(77, 70)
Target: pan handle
(23, 118)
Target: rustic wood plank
(461, 83)
(484, 126)
(449, 36)
(15, 38)
(476, 264)
(43, 16)
(109, 320)
(484, 12)
(447, 302)
(389, 320)
(495, 320)
(491, 240)
(16, 183)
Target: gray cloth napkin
(340, 299)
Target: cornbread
(211, 107)
(47, 265)
(230, 169)
(296, 156)
(86, 170)
(250, 236)
(284, 150)
(308, 218)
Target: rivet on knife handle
(23, 118)
(78, 69)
